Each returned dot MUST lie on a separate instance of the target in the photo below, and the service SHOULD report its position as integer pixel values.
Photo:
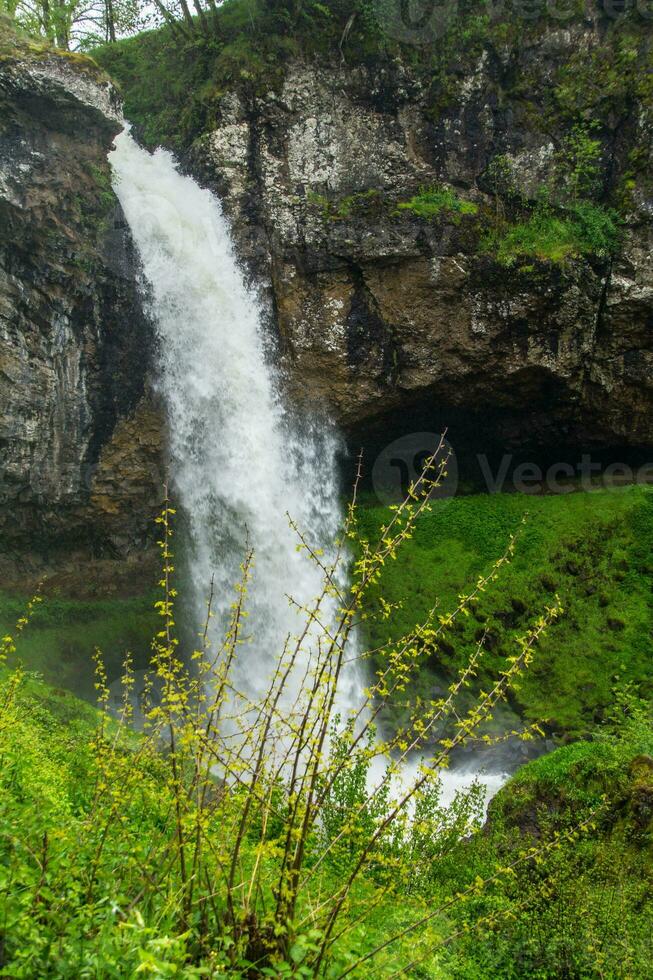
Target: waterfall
(240, 462)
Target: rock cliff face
(394, 316)
(395, 319)
(80, 436)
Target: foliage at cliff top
(173, 82)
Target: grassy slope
(63, 634)
(593, 549)
(584, 908)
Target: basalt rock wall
(80, 431)
(396, 319)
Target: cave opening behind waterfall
(524, 448)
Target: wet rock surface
(80, 433)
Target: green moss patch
(592, 549)
(434, 202)
(356, 205)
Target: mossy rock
(15, 47)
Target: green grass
(63, 634)
(593, 549)
(577, 777)
(60, 706)
(432, 202)
(98, 906)
(583, 909)
(554, 236)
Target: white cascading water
(239, 462)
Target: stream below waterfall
(240, 461)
